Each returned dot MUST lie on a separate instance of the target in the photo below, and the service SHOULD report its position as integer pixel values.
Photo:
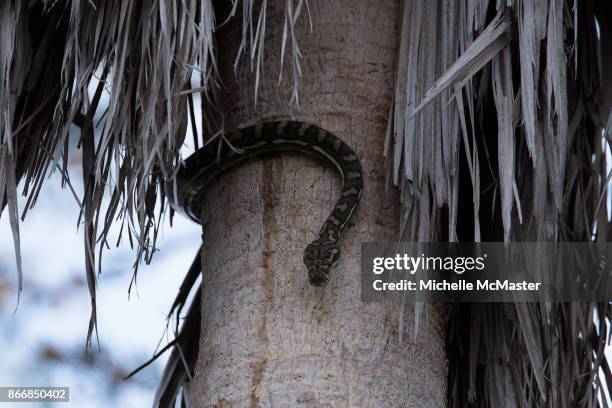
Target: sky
(46, 331)
(43, 337)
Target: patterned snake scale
(207, 163)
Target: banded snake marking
(207, 163)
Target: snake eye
(334, 255)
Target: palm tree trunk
(269, 338)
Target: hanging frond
(520, 91)
(140, 59)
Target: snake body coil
(321, 255)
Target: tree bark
(268, 337)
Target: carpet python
(207, 163)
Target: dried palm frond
(520, 91)
(140, 58)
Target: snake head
(320, 260)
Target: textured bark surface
(269, 338)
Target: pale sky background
(43, 338)
(42, 341)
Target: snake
(209, 162)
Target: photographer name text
(462, 285)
